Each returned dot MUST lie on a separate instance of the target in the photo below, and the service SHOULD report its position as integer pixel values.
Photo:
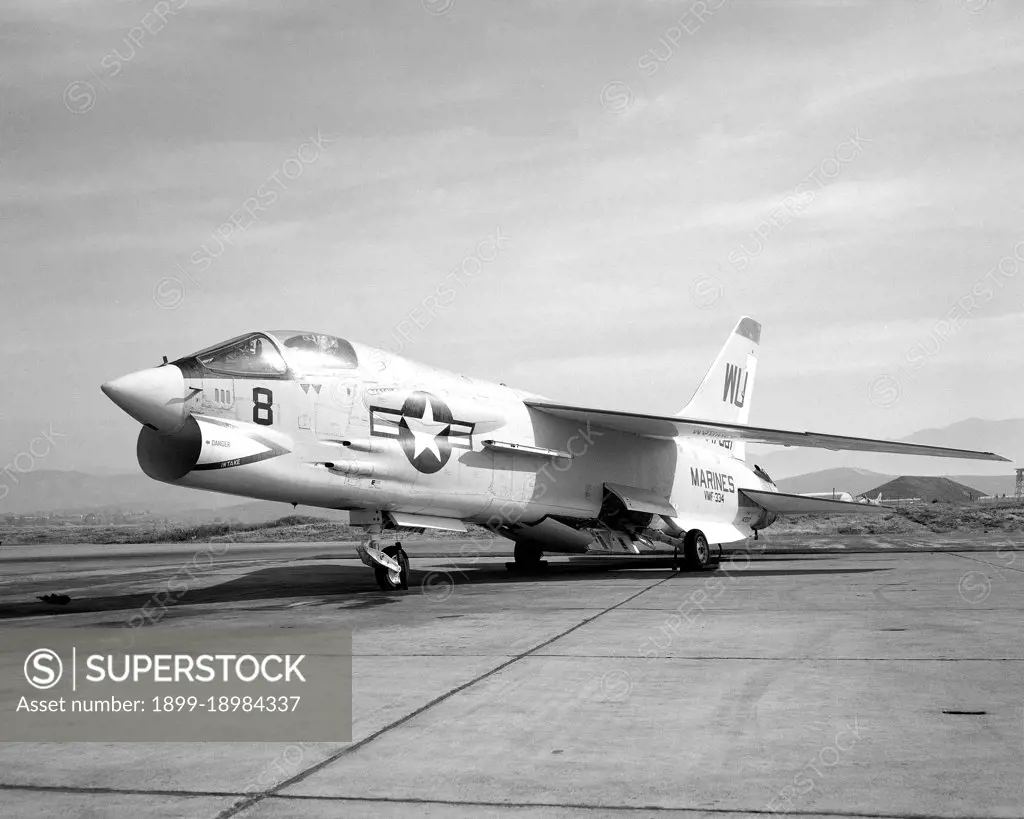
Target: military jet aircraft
(834, 495)
(309, 418)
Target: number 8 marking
(262, 406)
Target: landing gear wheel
(389, 580)
(527, 558)
(696, 551)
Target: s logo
(43, 668)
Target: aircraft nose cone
(155, 397)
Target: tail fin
(726, 391)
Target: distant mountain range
(859, 481)
(48, 491)
(814, 471)
(54, 490)
(1005, 438)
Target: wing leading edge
(669, 426)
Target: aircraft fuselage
(393, 435)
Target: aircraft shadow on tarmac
(317, 582)
(462, 573)
(354, 586)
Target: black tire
(527, 557)
(387, 580)
(697, 551)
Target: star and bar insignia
(425, 428)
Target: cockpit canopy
(250, 355)
(313, 353)
(277, 354)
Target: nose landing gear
(389, 579)
(390, 565)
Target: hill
(927, 488)
(1005, 438)
(844, 479)
(796, 470)
(56, 490)
(49, 491)
(255, 512)
(862, 481)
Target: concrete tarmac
(873, 684)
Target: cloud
(444, 127)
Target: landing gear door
(630, 508)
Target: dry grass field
(921, 519)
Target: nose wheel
(390, 565)
(389, 579)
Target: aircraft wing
(783, 504)
(670, 426)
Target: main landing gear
(696, 551)
(527, 559)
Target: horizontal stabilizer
(783, 504)
(669, 426)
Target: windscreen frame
(193, 364)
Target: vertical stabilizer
(726, 391)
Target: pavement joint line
(720, 657)
(747, 610)
(618, 808)
(702, 658)
(351, 749)
(93, 791)
(87, 790)
(983, 562)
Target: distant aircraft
(842, 496)
(309, 418)
(871, 501)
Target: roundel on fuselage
(424, 432)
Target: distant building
(930, 489)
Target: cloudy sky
(849, 173)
